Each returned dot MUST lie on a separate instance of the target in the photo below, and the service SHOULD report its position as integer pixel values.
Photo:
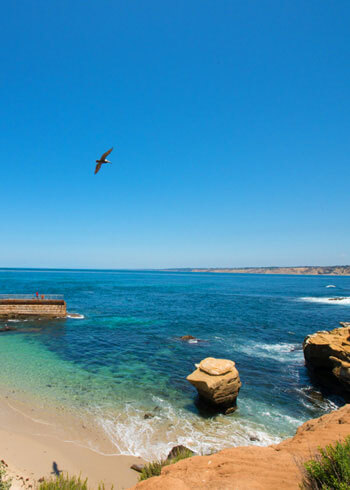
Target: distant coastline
(336, 270)
(333, 270)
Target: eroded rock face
(327, 353)
(274, 467)
(217, 382)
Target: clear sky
(230, 122)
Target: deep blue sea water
(123, 358)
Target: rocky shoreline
(327, 356)
(252, 467)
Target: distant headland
(334, 270)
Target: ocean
(122, 357)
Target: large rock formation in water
(252, 467)
(327, 354)
(217, 382)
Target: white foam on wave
(75, 316)
(287, 418)
(280, 352)
(153, 438)
(313, 400)
(329, 301)
(330, 286)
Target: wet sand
(36, 444)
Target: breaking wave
(154, 437)
(281, 352)
(312, 399)
(75, 316)
(328, 301)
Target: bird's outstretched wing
(98, 166)
(105, 155)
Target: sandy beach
(35, 446)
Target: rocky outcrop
(327, 355)
(217, 382)
(177, 451)
(187, 337)
(255, 468)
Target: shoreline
(33, 446)
(261, 468)
(36, 440)
(76, 393)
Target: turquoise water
(123, 358)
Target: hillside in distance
(336, 270)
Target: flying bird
(102, 160)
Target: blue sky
(230, 122)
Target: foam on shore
(154, 437)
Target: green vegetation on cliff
(155, 468)
(66, 482)
(330, 469)
(5, 483)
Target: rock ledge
(327, 355)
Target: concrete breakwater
(32, 308)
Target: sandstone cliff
(249, 468)
(327, 353)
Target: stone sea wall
(32, 308)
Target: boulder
(177, 450)
(137, 467)
(187, 337)
(217, 382)
(327, 355)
